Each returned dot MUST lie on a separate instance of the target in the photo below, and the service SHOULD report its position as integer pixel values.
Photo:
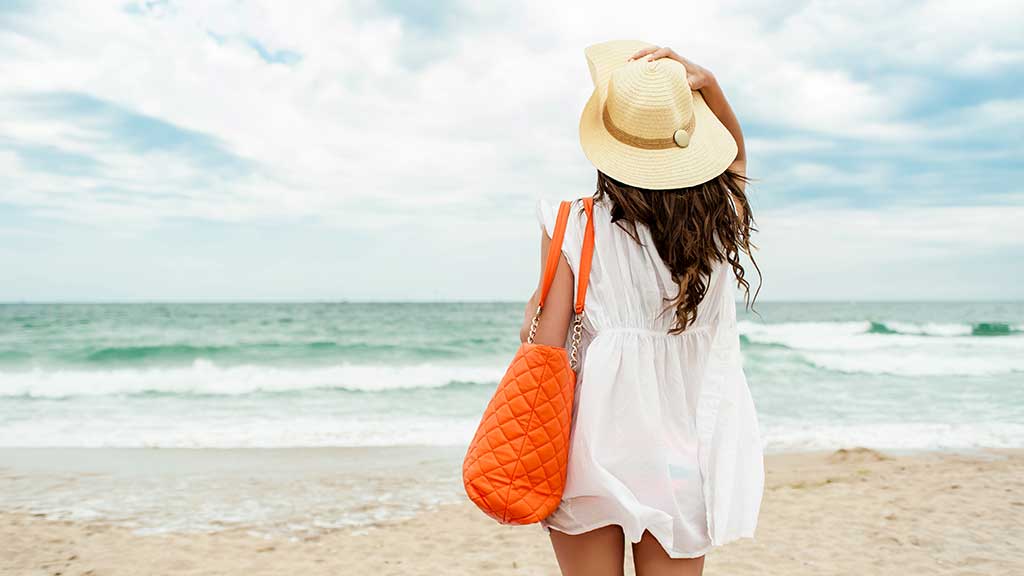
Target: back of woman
(664, 449)
(647, 399)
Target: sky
(395, 150)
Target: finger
(659, 53)
(644, 52)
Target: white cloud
(882, 34)
(1000, 113)
(986, 59)
(382, 126)
(902, 253)
(494, 113)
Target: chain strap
(577, 337)
(533, 326)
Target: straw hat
(643, 126)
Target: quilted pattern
(516, 464)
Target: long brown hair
(692, 228)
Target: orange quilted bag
(516, 464)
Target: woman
(665, 450)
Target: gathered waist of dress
(664, 333)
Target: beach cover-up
(665, 436)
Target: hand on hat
(697, 76)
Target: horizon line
(473, 301)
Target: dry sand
(849, 512)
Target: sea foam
(206, 378)
(896, 348)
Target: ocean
(823, 375)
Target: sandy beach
(852, 511)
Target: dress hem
(671, 553)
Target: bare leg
(650, 559)
(600, 552)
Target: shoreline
(849, 511)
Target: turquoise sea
(823, 375)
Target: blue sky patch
(124, 129)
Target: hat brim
(710, 152)
(606, 57)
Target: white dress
(664, 435)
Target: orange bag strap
(554, 253)
(551, 266)
(586, 256)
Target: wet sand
(847, 512)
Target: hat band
(638, 141)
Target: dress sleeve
(547, 213)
